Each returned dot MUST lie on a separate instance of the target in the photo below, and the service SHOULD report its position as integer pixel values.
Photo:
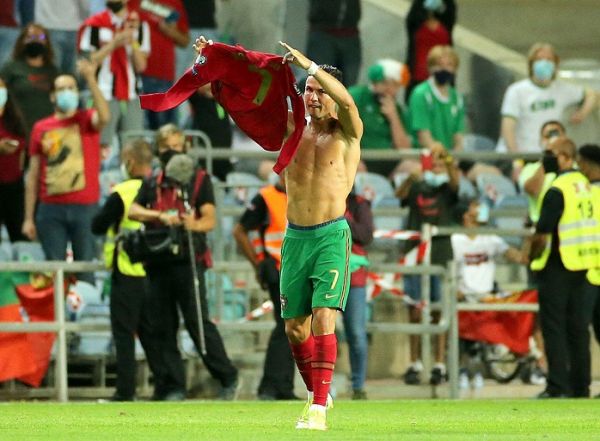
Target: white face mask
(3, 96)
(483, 213)
(434, 179)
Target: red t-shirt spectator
(425, 39)
(161, 61)
(69, 152)
(8, 14)
(11, 165)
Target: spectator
(475, 255)
(169, 28)
(119, 43)
(201, 16)
(64, 159)
(431, 197)
(436, 109)
(385, 121)
(62, 19)
(159, 205)
(536, 178)
(531, 102)
(30, 74)
(429, 23)
(12, 161)
(562, 251)
(210, 117)
(11, 20)
(265, 219)
(334, 37)
(360, 219)
(130, 312)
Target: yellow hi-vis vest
(127, 190)
(593, 275)
(578, 227)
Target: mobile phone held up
(426, 160)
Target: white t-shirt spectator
(61, 15)
(475, 258)
(531, 106)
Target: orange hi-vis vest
(271, 240)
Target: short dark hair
(139, 150)
(461, 207)
(590, 152)
(553, 122)
(333, 71)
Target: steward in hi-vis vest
(578, 227)
(127, 191)
(259, 235)
(129, 312)
(589, 164)
(569, 215)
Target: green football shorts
(315, 268)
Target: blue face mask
(3, 96)
(67, 100)
(433, 5)
(543, 70)
(435, 180)
(483, 213)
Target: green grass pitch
(415, 420)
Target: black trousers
(566, 302)
(278, 373)
(12, 201)
(131, 314)
(596, 316)
(172, 290)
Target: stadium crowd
(70, 86)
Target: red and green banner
(24, 356)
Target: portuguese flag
(510, 328)
(24, 356)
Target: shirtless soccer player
(314, 258)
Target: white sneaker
(477, 381)
(302, 422)
(537, 377)
(317, 417)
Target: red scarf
(119, 59)
(252, 87)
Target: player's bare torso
(321, 175)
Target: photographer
(259, 234)
(162, 206)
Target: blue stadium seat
(28, 252)
(495, 187)
(243, 187)
(6, 252)
(466, 190)
(108, 179)
(473, 142)
(373, 187)
(380, 192)
(93, 309)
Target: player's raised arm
(347, 112)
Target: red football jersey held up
(253, 87)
